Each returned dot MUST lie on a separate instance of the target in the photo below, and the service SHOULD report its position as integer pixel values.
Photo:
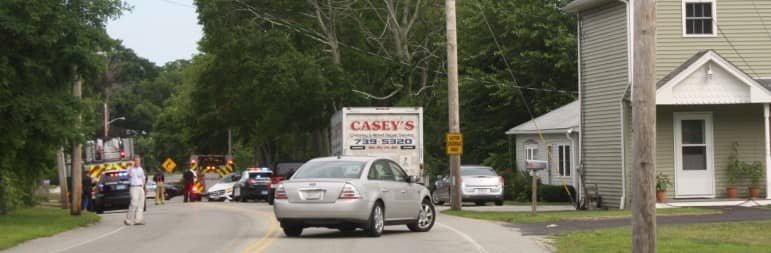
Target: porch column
(768, 150)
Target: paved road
(214, 227)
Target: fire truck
(204, 165)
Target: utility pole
(106, 120)
(452, 90)
(77, 168)
(644, 134)
(62, 168)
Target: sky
(159, 30)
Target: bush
(556, 193)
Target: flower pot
(660, 196)
(731, 191)
(754, 192)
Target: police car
(254, 183)
(112, 192)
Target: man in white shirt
(137, 180)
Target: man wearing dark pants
(137, 180)
(188, 178)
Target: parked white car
(223, 189)
(150, 189)
(347, 193)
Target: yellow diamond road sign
(169, 165)
(454, 144)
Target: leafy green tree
(46, 44)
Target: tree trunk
(62, 169)
(3, 207)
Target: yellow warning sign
(169, 165)
(454, 144)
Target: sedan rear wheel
(376, 221)
(292, 229)
(426, 218)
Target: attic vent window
(699, 18)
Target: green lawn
(30, 223)
(716, 237)
(521, 203)
(525, 217)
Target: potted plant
(735, 171)
(754, 171)
(662, 183)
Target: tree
(42, 41)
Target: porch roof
(731, 84)
(556, 121)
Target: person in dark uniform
(86, 199)
(188, 178)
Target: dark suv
(283, 171)
(112, 192)
(254, 184)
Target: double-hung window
(563, 152)
(699, 18)
(531, 151)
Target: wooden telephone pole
(77, 159)
(644, 120)
(452, 91)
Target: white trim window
(564, 160)
(531, 152)
(699, 18)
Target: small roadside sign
(454, 143)
(169, 165)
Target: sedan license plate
(483, 190)
(312, 195)
(264, 192)
(120, 187)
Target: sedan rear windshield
(330, 169)
(477, 171)
(260, 175)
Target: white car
(223, 190)
(348, 193)
(150, 189)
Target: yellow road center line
(276, 234)
(268, 234)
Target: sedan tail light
(349, 192)
(500, 180)
(280, 192)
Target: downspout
(579, 164)
(630, 56)
(568, 134)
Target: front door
(694, 162)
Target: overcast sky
(159, 30)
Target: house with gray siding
(713, 70)
(559, 129)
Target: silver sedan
(347, 193)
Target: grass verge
(524, 203)
(30, 223)
(715, 237)
(525, 217)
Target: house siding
(731, 123)
(746, 24)
(604, 70)
(553, 141)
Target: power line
(731, 44)
(174, 2)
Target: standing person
(160, 196)
(188, 178)
(86, 181)
(137, 180)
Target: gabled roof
(580, 5)
(760, 89)
(556, 121)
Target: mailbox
(536, 165)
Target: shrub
(556, 193)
